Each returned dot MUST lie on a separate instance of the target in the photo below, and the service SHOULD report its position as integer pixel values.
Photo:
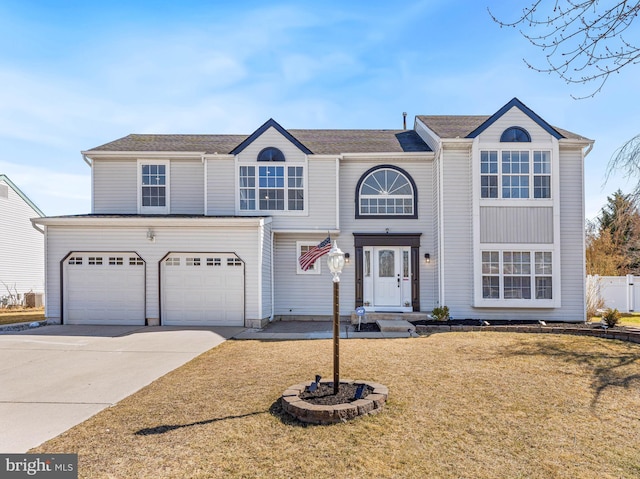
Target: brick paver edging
(322, 414)
(611, 333)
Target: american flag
(307, 259)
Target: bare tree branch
(582, 39)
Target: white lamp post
(335, 261)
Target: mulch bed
(324, 394)
(367, 328)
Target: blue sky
(77, 74)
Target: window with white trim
(518, 275)
(509, 174)
(153, 192)
(271, 188)
(301, 248)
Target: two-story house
(483, 214)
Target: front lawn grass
(20, 315)
(472, 405)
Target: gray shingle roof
(318, 141)
(460, 126)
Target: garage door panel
(208, 293)
(104, 293)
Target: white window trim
(157, 210)
(531, 150)
(317, 266)
(258, 212)
(480, 301)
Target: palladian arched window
(386, 191)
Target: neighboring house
(21, 245)
(483, 214)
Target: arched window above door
(386, 191)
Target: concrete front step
(370, 317)
(395, 326)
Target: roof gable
(270, 123)
(21, 194)
(523, 108)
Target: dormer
(271, 172)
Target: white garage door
(104, 288)
(202, 289)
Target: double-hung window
(153, 189)
(517, 275)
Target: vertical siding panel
(519, 224)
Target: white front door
(387, 282)
(387, 278)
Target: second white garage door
(202, 289)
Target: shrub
(441, 313)
(611, 317)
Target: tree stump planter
(311, 410)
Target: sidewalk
(288, 330)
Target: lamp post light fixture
(335, 261)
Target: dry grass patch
(20, 315)
(476, 405)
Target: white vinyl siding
(21, 246)
(115, 186)
(221, 189)
(266, 251)
(421, 171)
(305, 295)
(457, 235)
(187, 187)
(516, 224)
(572, 235)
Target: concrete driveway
(55, 377)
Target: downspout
(338, 193)
(441, 248)
(273, 277)
(205, 164)
(90, 163)
(35, 227)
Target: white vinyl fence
(619, 292)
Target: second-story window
(271, 188)
(520, 174)
(153, 192)
(386, 191)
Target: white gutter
(86, 160)
(100, 221)
(143, 154)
